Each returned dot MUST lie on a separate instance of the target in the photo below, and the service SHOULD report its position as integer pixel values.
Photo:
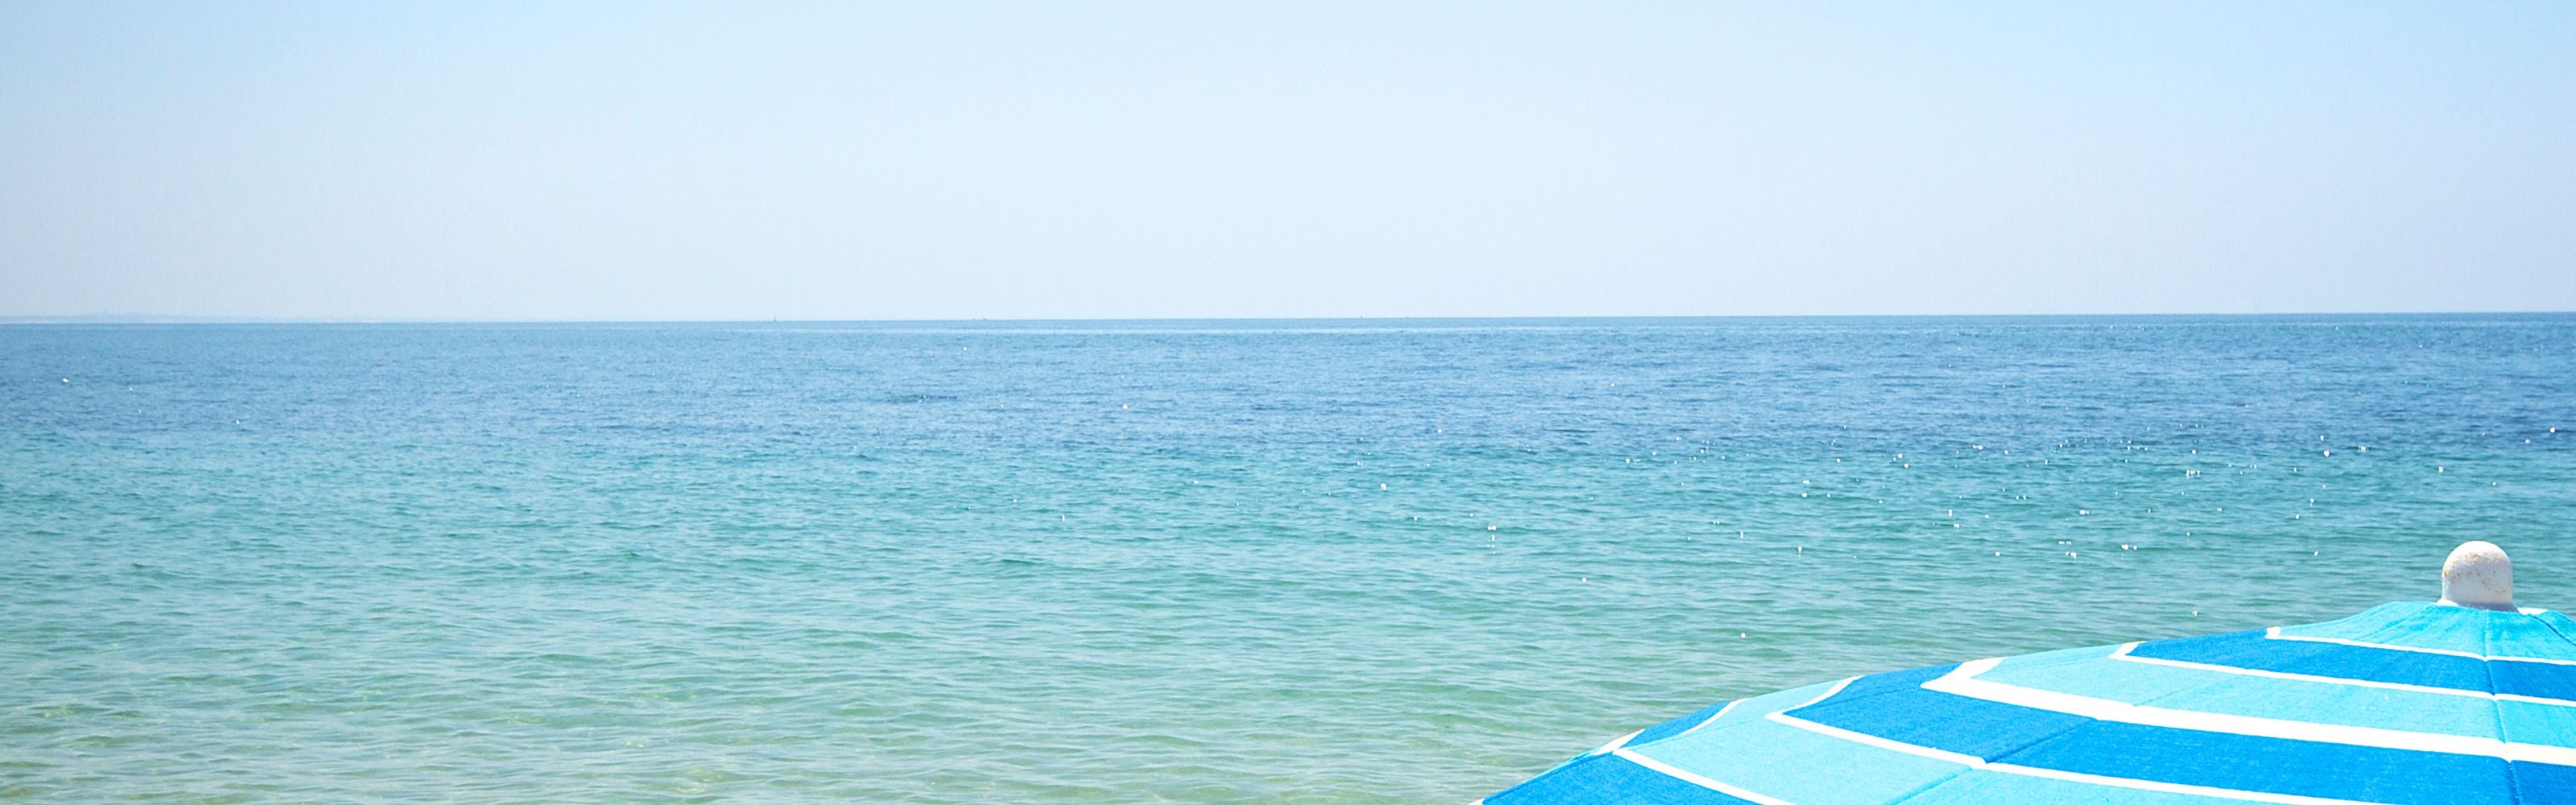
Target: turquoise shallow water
(1170, 561)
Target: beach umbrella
(2463, 700)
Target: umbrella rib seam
(2495, 708)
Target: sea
(1358, 561)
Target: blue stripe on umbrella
(1611, 778)
(2254, 650)
(1897, 708)
(2381, 707)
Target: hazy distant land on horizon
(1301, 561)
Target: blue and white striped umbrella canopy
(2410, 702)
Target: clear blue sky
(959, 160)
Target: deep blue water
(1399, 561)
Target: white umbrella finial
(2478, 575)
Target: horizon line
(180, 320)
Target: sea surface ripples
(1169, 561)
